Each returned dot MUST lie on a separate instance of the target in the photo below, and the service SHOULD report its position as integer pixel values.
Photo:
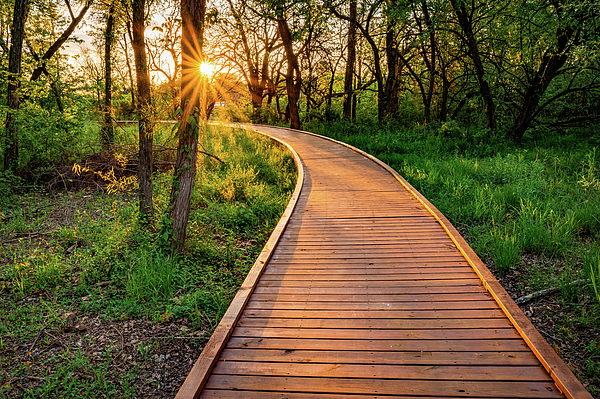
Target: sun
(207, 69)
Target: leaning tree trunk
(11, 156)
(144, 103)
(349, 75)
(193, 116)
(464, 20)
(552, 61)
(109, 36)
(293, 79)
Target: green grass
(87, 252)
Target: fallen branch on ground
(538, 294)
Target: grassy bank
(93, 306)
(531, 212)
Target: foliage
(89, 252)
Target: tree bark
(193, 117)
(109, 39)
(465, 22)
(11, 156)
(349, 75)
(429, 62)
(389, 106)
(293, 78)
(145, 132)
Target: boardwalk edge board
(563, 377)
(196, 379)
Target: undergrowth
(87, 252)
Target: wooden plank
(237, 394)
(399, 324)
(369, 277)
(385, 262)
(371, 284)
(376, 314)
(387, 298)
(325, 257)
(370, 290)
(371, 305)
(368, 306)
(492, 389)
(368, 371)
(410, 345)
(369, 357)
(375, 334)
(368, 263)
(325, 269)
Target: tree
(145, 129)
(14, 69)
(193, 116)
(569, 21)
(465, 20)
(293, 77)
(350, 61)
(109, 40)
(251, 51)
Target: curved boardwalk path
(370, 293)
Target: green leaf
(176, 127)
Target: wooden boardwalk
(369, 292)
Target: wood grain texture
(369, 292)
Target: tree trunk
(193, 116)
(464, 20)
(126, 51)
(109, 36)
(445, 95)
(293, 79)
(430, 62)
(144, 101)
(11, 156)
(357, 84)
(552, 61)
(349, 75)
(390, 102)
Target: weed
(569, 291)
(152, 277)
(591, 267)
(534, 236)
(505, 250)
(589, 177)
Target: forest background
(490, 109)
